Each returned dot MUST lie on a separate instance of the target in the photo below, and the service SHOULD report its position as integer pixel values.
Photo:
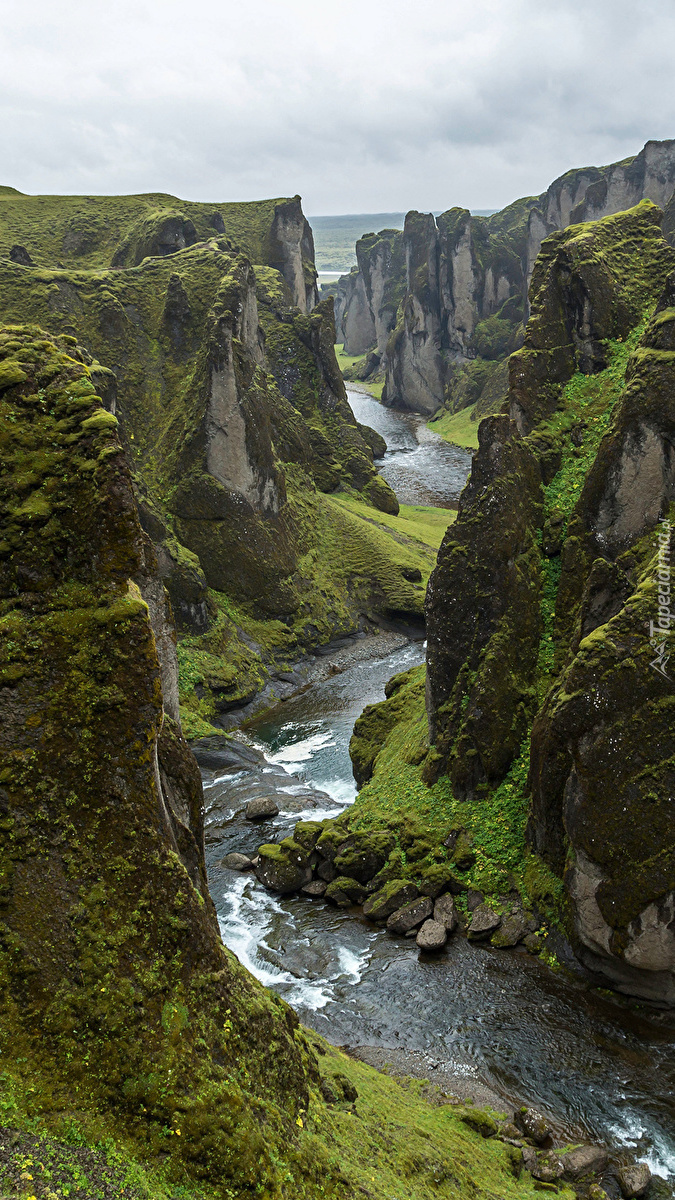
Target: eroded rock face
(601, 741)
(111, 953)
(446, 291)
(291, 252)
(483, 619)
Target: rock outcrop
(113, 978)
(544, 609)
(441, 304)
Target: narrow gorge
(410, 930)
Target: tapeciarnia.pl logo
(659, 631)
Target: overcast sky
(360, 106)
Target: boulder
(326, 871)
(236, 862)
(474, 899)
(595, 1192)
(583, 1160)
(483, 922)
(533, 943)
(363, 855)
(532, 1124)
(464, 855)
(315, 890)
(261, 809)
(445, 912)
(411, 915)
(283, 868)
(432, 936)
(344, 892)
(392, 896)
(634, 1180)
(220, 752)
(512, 930)
(439, 878)
(307, 833)
(543, 1164)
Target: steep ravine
(481, 1021)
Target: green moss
(460, 428)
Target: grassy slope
(347, 361)
(353, 554)
(396, 1141)
(458, 428)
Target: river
(490, 1017)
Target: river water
(493, 1017)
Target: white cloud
(359, 105)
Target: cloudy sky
(360, 106)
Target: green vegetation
(348, 363)
(460, 428)
(354, 558)
(88, 232)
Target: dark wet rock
(532, 1124)
(283, 868)
(261, 809)
(512, 930)
(543, 1164)
(474, 900)
(236, 862)
(392, 896)
(445, 912)
(583, 1160)
(410, 916)
(344, 892)
(315, 890)
(326, 871)
(479, 1120)
(483, 922)
(634, 1181)
(432, 936)
(221, 753)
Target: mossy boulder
(283, 868)
(112, 970)
(364, 854)
(345, 891)
(391, 897)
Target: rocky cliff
(234, 416)
(543, 612)
(461, 283)
(137, 1057)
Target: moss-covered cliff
(234, 416)
(135, 1052)
(548, 693)
(461, 284)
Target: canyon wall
(543, 611)
(442, 303)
